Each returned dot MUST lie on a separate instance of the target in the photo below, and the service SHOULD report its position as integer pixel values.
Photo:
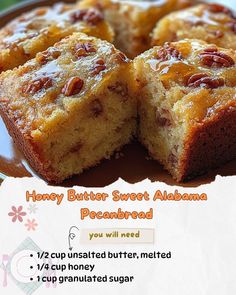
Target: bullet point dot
(31, 279)
(31, 267)
(31, 255)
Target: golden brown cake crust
(24, 143)
(210, 144)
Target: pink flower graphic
(17, 213)
(31, 224)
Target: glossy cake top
(137, 5)
(142, 3)
(213, 16)
(200, 76)
(148, 4)
(210, 14)
(47, 88)
(46, 20)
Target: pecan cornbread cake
(187, 105)
(133, 20)
(35, 31)
(212, 23)
(71, 106)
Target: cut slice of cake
(212, 23)
(71, 106)
(134, 20)
(39, 29)
(187, 106)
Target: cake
(71, 106)
(133, 20)
(212, 23)
(41, 28)
(187, 105)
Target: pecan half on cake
(134, 20)
(187, 106)
(212, 23)
(41, 28)
(71, 106)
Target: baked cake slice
(71, 106)
(187, 106)
(41, 28)
(212, 23)
(133, 20)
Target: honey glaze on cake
(212, 23)
(35, 31)
(25, 26)
(143, 4)
(197, 66)
(32, 24)
(206, 68)
(211, 14)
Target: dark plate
(133, 166)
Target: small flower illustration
(31, 224)
(17, 213)
(32, 208)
